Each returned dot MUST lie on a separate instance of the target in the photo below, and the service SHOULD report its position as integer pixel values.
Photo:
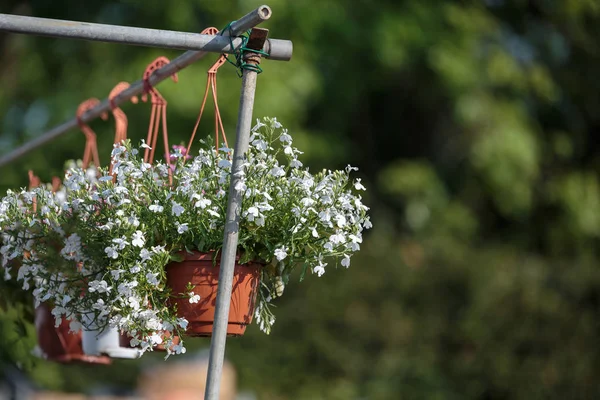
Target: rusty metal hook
(34, 180)
(120, 117)
(223, 58)
(154, 94)
(211, 84)
(91, 146)
(56, 182)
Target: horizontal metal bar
(277, 49)
(243, 24)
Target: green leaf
(304, 268)
(176, 257)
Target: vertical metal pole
(232, 222)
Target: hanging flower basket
(197, 269)
(121, 237)
(58, 344)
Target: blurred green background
(475, 127)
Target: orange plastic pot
(58, 344)
(198, 269)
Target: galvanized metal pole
(277, 49)
(282, 48)
(232, 222)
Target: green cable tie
(239, 63)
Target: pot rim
(196, 255)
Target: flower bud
(279, 286)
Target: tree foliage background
(473, 124)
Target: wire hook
(91, 146)
(211, 84)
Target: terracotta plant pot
(58, 344)
(197, 268)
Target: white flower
(240, 186)
(75, 203)
(325, 216)
(111, 252)
(152, 278)
(182, 323)
(72, 247)
(258, 125)
(202, 203)
(145, 146)
(145, 255)
(177, 208)
(132, 220)
(120, 242)
(99, 286)
(346, 261)
(280, 253)
(118, 149)
(181, 228)
(106, 178)
(106, 227)
(138, 239)
(337, 238)
(156, 208)
(354, 242)
(116, 273)
(277, 171)
(260, 144)
(320, 269)
(194, 298)
(133, 302)
(252, 213)
(136, 268)
(275, 123)
(225, 164)
(158, 249)
(284, 137)
(358, 185)
(313, 231)
(341, 220)
(156, 339)
(179, 349)
(121, 190)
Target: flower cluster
(97, 249)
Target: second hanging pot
(58, 344)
